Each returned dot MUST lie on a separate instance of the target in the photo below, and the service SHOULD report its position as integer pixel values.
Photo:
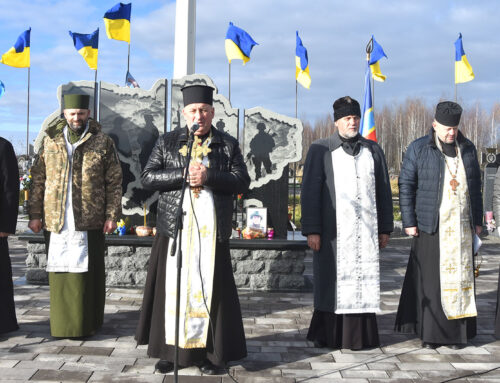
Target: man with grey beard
(347, 217)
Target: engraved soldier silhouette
(261, 147)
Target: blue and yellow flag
(375, 56)
(239, 44)
(19, 55)
(368, 119)
(302, 64)
(463, 70)
(117, 22)
(87, 46)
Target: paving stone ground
(275, 324)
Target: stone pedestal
(257, 264)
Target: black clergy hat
(76, 101)
(345, 106)
(448, 113)
(197, 94)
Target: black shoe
(208, 368)
(319, 344)
(164, 366)
(431, 346)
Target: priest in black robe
(216, 172)
(441, 208)
(347, 216)
(9, 205)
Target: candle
(145, 215)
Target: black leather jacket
(226, 175)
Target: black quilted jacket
(227, 175)
(421, 183)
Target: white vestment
(358, 270)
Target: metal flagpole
(229, 76)
(455, 92)
(28, 119)
(95, 96)
(295, 165)
(128, 59)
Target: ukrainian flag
(19, 55)
(368, 119)
(117, 22)
(463, 70)
(86, 45)
(375, 56)
(239, 44)
(302, 64)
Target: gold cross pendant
(454, 183)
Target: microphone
(194, 128)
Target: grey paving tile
(61, 376)
(437, 366)
(17, 373)
(80, 350)
(370, 374)
(105, 377)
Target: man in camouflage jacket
(76, 193)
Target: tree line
(399, 124)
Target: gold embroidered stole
(455, 243)
(198, 249)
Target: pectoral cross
(454, 183)
(450, 231)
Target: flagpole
(95, 96)
(455, 92)
(28, 119)
(128, 59)
(229, 76)
(295, 163)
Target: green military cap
(76, 101)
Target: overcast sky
(417, 37)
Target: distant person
(442, 209)
(9, 207)
(261, 147)
(496, 214)
(76, 198)
(347, 217)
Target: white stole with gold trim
(455, 243)
(196, 275)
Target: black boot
(164, 366)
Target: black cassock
(420, 311)
(225, 312)
(9, 204)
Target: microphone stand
(178, 234)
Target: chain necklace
(453, 182)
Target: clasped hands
(197, 174)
